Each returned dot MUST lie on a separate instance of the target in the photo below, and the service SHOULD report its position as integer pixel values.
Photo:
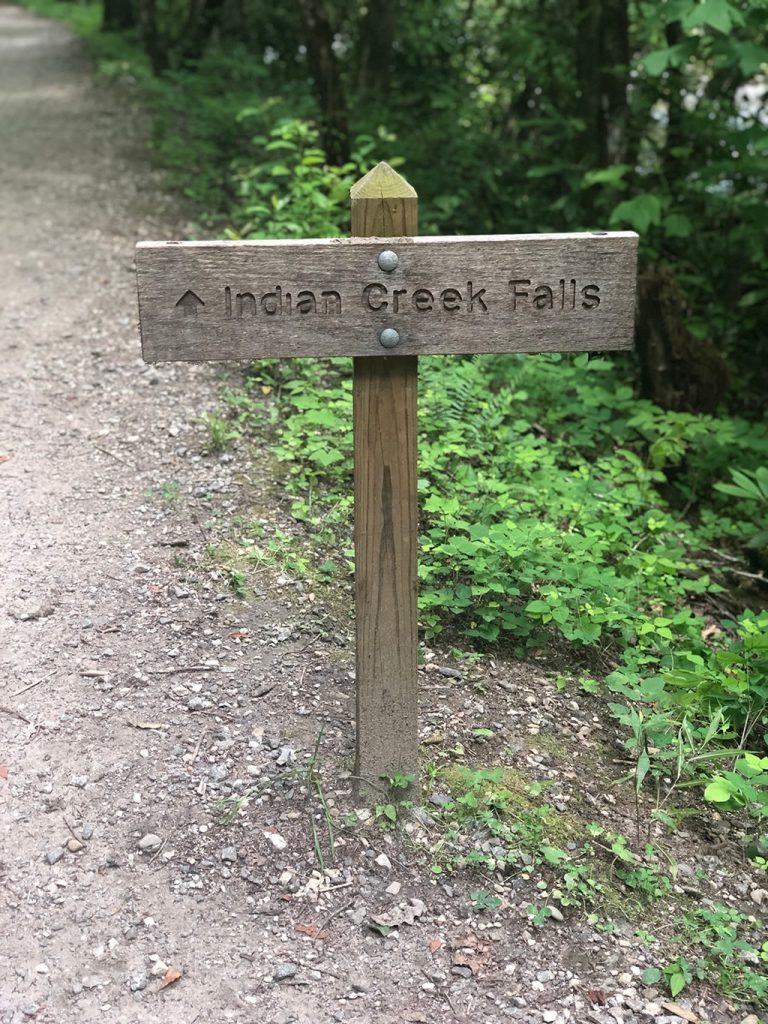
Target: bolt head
(388, 260)
(389, 337)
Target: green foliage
(724, 947)
(483, 900)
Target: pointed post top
(383, 182)
(384, 205)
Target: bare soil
(139, 694)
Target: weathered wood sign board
(385, 297)
(331, 297)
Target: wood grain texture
(386, 527)
(245, 300)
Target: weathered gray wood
(386, 522)
(245, 300)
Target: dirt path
(137, 694)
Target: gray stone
(54, 855)
(87, 831)
(229, 854)
(449, 673)
(360, 984)
(198, 703)
(544, 976)
(555, 914)
(92, 981)
(286, 756)
(150, 843)
(284, 971)
(137, 982)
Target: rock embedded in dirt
(384, 862)
(93, 981)
(150, 843)
(284, 971)
(54, 855)
(198, 703)
(359, 983)
(74, 845)
(30, 612)
(229, 854)
(276, 840)
(87, 831)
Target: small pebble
(284, 971)
(54, 855)
(360, 984)
(150, 843)
(276, 840)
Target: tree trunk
(602, 66)
(204, 16)
(324, 68)
(118, 15)
(374, 51)
(678, 371)
(154, 42)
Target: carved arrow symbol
(189, 303)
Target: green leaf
(717, 14)
(605, 176)
(643, 765)
(676, 984)
(677, 225)
(650, 976)
(751, 57)
(640, 212)
(656, 62)
(719, 791)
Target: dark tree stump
(679, 372)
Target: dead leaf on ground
(3, 772)
(473, 963)
(680, 1011)
(710, 630)
(240, 634)
(169, 977)
(404, 913)
(312, 931)
(415, 1016)
(6, 458)
(597, 997)
(147, 725)
(434, 945)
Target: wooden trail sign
(385, 297)
(330, 297)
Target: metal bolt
(388, 261)
(389, 337)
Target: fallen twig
(180, 668)
(13, 713)
(33, 685)
(339, 910)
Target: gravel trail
(176, 842)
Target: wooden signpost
(385, 297)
